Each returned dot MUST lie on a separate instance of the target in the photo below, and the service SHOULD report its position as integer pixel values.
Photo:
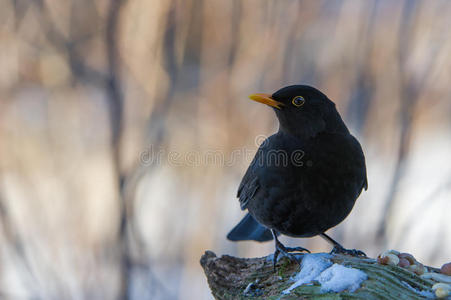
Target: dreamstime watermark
(215, 157)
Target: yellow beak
(266, 99)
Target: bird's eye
(298, 101)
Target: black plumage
(305, 178)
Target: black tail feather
(249, 230)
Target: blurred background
(125, 130)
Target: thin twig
(115, 97)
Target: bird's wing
(249, 184)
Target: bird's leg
(340, 249)
(281, 249)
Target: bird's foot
(286, 251)
(338, 249)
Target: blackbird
(305, 178)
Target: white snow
(311, 266)
(338, 278)
(332, 277)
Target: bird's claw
(296, 249)
(354, 252)
(285, 251)
(286, 254)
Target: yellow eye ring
(298, 101)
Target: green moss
(284, 267)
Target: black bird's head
(303, 111)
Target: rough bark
(254, 278)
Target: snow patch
(332, 277)
(311, 267)
(338, 278)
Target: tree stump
(255, 278)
